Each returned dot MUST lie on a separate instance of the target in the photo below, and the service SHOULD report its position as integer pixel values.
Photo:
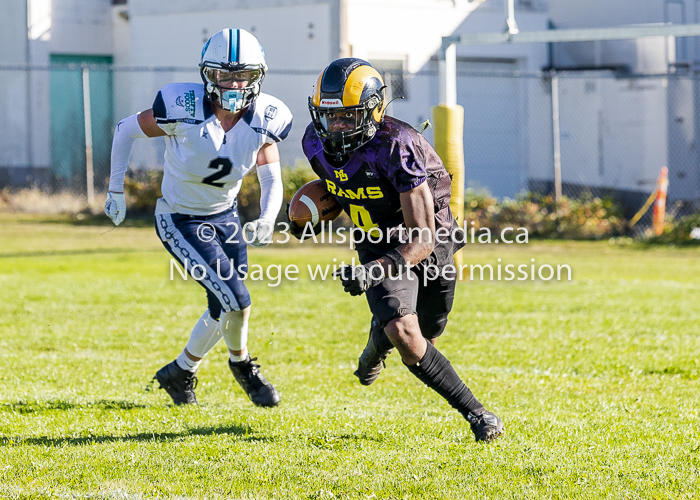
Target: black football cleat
(485, 425)
(372, 359)
(178, 383)
(259, 390)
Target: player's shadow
(68, 253)
(27, 407)
(242, 432)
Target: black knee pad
(433, 327)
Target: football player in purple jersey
(394, 187)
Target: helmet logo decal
(332, 103)
(270, 112)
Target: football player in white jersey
(215, 133)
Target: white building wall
(413, 30)
(29, 33)
(121, 57)
(13, 101)
(613, 131)
(409, 30)
(603, 13)
(654, 124)
(81, 27)
(648, 55)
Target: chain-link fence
(616, 132)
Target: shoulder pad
(270, 117)
(181, 102)
(310, 143)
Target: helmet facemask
(231, 88)
(354, 125)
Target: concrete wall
(651, 55)
(81, 27)
(603, 13)
(15, 125)
(29, 33)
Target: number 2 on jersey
(223, 167)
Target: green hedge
(678, 231)
(585, 218)
(142, 190)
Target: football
(313, 203)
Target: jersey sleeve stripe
(285, 132)
(179, 120)
(267, 133)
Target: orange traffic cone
(657, 220)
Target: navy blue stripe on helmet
(233, 44)
(337, 72)
(238, 45)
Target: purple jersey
(368, 186)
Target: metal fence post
(88, 137)
(556, 137)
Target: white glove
(115, 207)
(259, 233)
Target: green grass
(596, 379)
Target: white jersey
(204, 166)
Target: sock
(234, 329)
(205, 335)
(238, 359)
(435, 371)
(187, 364)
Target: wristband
(398, 260)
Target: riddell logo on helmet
(332, 102)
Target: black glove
(296, 230)
(358, 279)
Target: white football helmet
(232, 68)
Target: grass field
(596, 379)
